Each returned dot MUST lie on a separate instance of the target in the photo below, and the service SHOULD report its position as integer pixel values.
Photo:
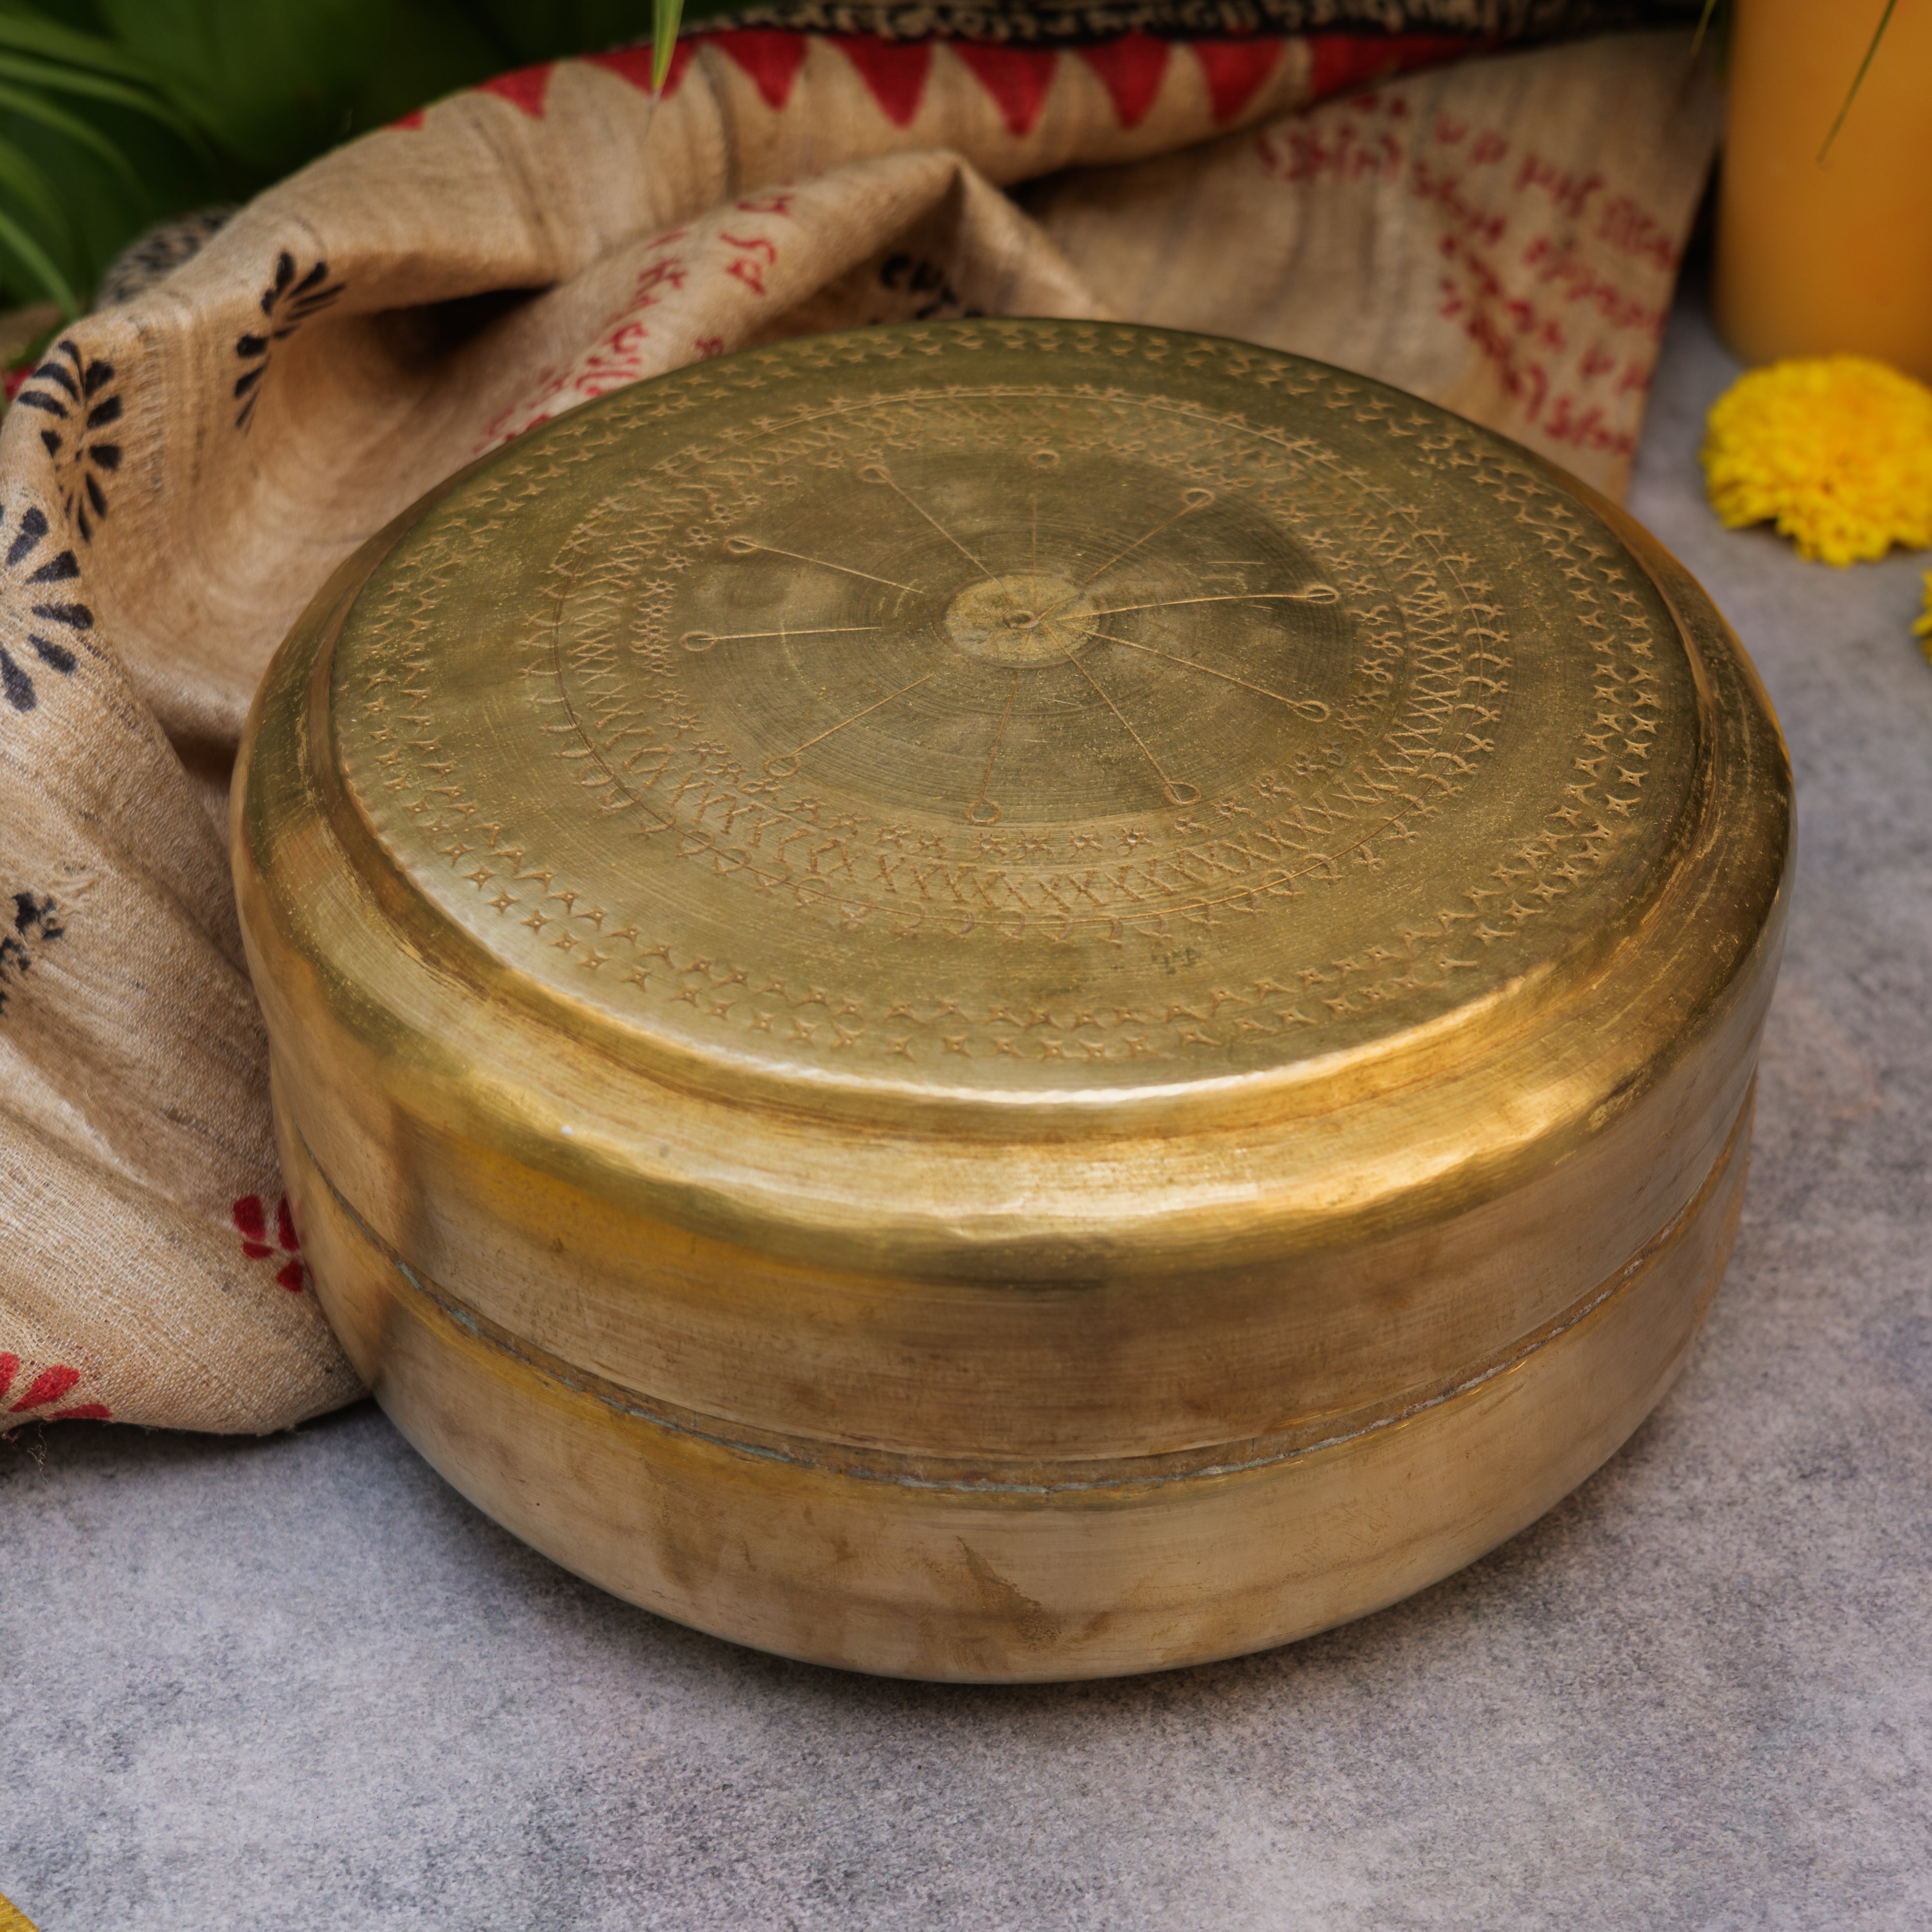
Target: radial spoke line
(823, 563)
(885, 476)
(1032, 545)
(792, 757)
(1310, 708)
(1173, 789)
(1187, 509)
(986, 776)
(1228, 597)
(743, 637)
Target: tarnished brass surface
(1010, 1000)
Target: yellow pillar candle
(1814, 258)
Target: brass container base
(803, 1552)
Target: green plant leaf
(667, 16)
(18, 171)
(106, 210)
(30, 105)
(40, 263)
(273, 83)
(95, 87)
(29, 34)
(1859, 79)
(431, 49)
(555, 29)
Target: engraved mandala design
(1197, 734)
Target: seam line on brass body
(483, 1330)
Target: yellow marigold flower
(1837, 450)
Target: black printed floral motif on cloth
(905, 274)
(36, 924)
(287, 304)
(53, 615)
(82, 439)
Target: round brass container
(1013, 1000)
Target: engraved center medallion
(1021, 620)
(1014, 705)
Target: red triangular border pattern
(633, 64)
(1234, 70)
(1337, 61)
(526, 87)
(771, 56)
(894, 71)
(1019, 79)
(1131, 69)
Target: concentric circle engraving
(1022, 621)
(921, 705)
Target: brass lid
(1004, 798)
(1017, 711)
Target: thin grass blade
(666, 16)
(29, 35)
(30, 106)
(18, 171)
(53, 284)
(1859, 79)
(60, 79)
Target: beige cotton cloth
(183, 471)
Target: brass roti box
(1013, 1000)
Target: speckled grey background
(299, 1684)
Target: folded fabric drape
(182, 473)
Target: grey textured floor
(299, 1684)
